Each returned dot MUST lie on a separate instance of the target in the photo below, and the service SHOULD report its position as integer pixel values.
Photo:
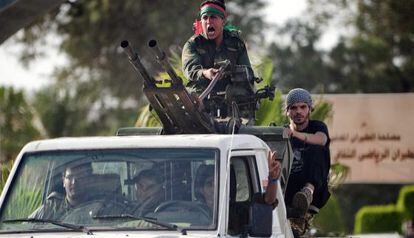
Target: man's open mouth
(211, 32)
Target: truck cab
(207, 186)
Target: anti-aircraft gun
(182, 112)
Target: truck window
(242, 168)
(242, 181)
(28, 190)
(111, 189)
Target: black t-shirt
(298, 146)
(311, 164)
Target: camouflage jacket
(200, 53)
(147, 206)
(54, 208)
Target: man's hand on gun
(210, 73)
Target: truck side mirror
(260, 223)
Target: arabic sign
(373, 134)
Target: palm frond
(146, 118)
(337, 175)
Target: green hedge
(378, 219)
(405, 202)
(330, 218)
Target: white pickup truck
(239, 171)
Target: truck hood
(107, 234)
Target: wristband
(273, 180)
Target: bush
(405, 202)
(330, 220)
(378, 219)
(4, 173)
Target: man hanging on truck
(307, 188)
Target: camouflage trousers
(300, 226)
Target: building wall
(373, 134)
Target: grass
(26, 195)
(4, 173)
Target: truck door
(243, 185)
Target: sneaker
(293, 212)
(301, 201)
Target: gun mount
(162, 60)
(183, 113)
(178, 111)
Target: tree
(379, 57)
(373, 55)
(17, 123)
(79, 110)
(299, 63)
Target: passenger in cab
(239, 210)
(76, 180)
(204, 186)
(149, 191)
(205, 183)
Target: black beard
(305, 120)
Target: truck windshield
(117, 189)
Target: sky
(38, 74)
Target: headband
(212, 9)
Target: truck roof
(148, 141)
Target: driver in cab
(76, 180)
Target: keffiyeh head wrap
(298, 95)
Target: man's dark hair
(87, 167)
(203, 173)
(151, 174)
(219, 3)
